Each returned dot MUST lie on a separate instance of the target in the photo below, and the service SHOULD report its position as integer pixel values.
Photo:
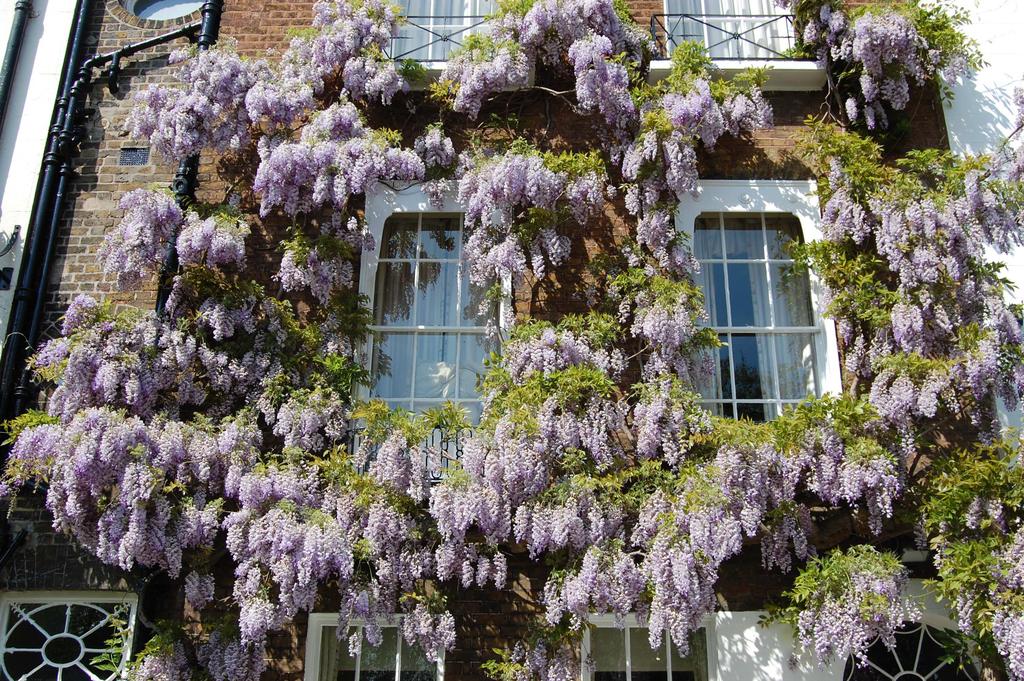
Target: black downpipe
(186, 179)
(22, 12)
(58, 171)
(16, 345)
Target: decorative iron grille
(432, 38)
(726, 36)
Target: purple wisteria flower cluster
(879, 53)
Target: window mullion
(359, 655)
(629, 656)
(398, 655)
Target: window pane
(440, 237)
(693, 667)
(399, 237)
(647, 664)
(391, 366)
(707, 237)
(752, 362)
(712, 284)
(393, 297)
(718, 385)
(472, 298)
(743, 237)
(781, 229)
(378, 664)
(792, 296)
(415, 666)
(435, 365)
(438, 295)
(719, 408)
(748, 295)
(796, 355)
(608, 654)
(473, 349)
(756, 411)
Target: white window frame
(797, 198)
(632, 621)
(380, 205)
(318, 621)
(11, 598)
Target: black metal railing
(441, 450)
(726, 36)
(432, 38)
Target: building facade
(755, 194)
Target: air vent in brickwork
(133, 156)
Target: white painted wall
(981, 114)
(27, 121)
(743, 649)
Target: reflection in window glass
(429, 341)
(763, 312)
(613, 654)
(164, 9)
(921, 652)
(392, 660)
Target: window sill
(784, 75)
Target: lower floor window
(921, 652)
(392, 660)
(65, 639)
(614, 654)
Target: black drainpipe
(16, 346)
(22, 12)
(186, 179)
(57, 173)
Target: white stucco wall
(27, 121)
(982, 114)
(743, 649)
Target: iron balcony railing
(726, 36)
(432, 38)
(441, 450)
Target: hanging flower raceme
(846, 600)
(514, 203)
(439, 160)
(935, 332)
(206, 111)
(335, 158)
(136, 248)
(876, 55)
(135, 493)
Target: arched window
(920, 654)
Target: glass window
(729, 29)
(164, 9)
(921, 652)
(433, 28)
(762, 310)
(429, 343)
(614, 654)
(48, 639)
(392, 660)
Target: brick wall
(485, 619)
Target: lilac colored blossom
(213, 242)
(137, 245)
(206, 111)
